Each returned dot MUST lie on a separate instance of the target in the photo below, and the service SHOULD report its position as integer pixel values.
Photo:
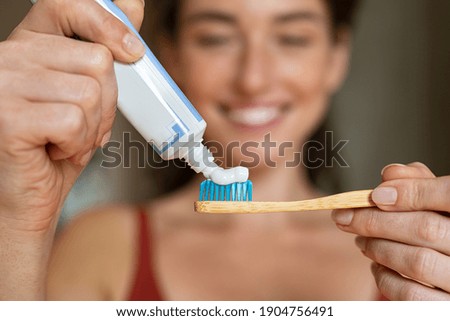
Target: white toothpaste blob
(202, 161)
(229, 176)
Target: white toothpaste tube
(162, 114)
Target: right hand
(57, 103)
(408, 235)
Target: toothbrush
(355, 199)
(163, 115)
(236, 192)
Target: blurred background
(395, 106)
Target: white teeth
(255, 116)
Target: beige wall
(11, 12)
(438, 85)
(395, 106)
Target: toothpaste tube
(162, 114)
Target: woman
(250, 67)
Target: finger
(31, 125)
(426, 229)
(60, 53)
(413, 170)
(414, 194)
(69, 56)
(133, 9)
(88, 20)
(49, 86)
(397, 288)
(423, 168)
(421, 264)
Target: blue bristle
(222, 193)
(238, 192)
(216, 193)
(210, 191)
(202, 189)
(205, 188)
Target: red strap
(144, 287)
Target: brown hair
(342, 12)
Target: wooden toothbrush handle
(355, 199)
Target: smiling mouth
(255, 116)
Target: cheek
(306, 75)
(203, 77)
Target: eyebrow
(212, 16)
(298, 16)
(216, 16)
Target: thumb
(414, 194)
(134, 10)
(89, 21)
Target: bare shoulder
(93, 255)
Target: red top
(144, 286)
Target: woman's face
(255, 67)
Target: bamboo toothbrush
(355, 199)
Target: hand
(58, 98)
(408, 235)
(57, 105)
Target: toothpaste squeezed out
(229, 176)
(201, 160)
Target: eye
(294, 40)
(213, 40)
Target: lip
(255, 116)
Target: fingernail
(385, 195)
(105, 139)
(85, 159)
(143, 3)
(342, 217)
(390, 165)
(361, 243)
(133, 45)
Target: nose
(254, 72)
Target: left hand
(408, 235)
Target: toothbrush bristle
(236, 192)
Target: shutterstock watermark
(313, 154)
